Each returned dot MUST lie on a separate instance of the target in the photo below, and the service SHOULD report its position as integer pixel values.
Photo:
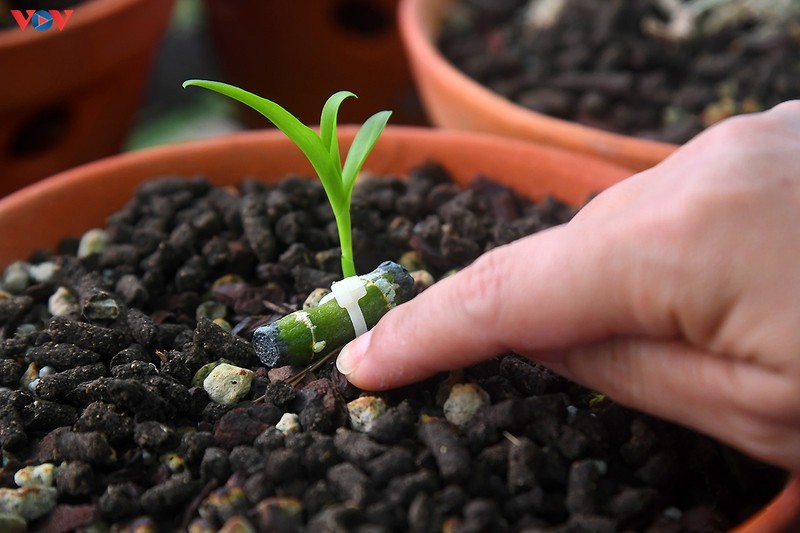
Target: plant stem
(303, 337)
(343, 225)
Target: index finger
(556, 289)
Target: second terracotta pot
(454, 100)
(70, 96)
(299, 53)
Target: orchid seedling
(322, 150)
(357, 302)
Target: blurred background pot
(299, 53)
(70, 96)
(454, 100)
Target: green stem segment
(343, 225)
(302, 337)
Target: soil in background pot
(111, 389)
(630, 66)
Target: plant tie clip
(355, 305)
(347, 293)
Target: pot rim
(399, 149)
(418, 22)
(781, 515)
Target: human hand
(676, 292)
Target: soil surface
(625, 65)
(101, 358)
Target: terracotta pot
(299, 53)
(454, 100)
(70, 96)
(81, 198)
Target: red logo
(42, 20)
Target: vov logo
(42, 20)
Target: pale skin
(676, 292)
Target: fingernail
(351, 355)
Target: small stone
(313, 300)
(31, 374)
(175, 462)
(227, 384)
(16, 277)
(422, 279)
(412, 261)
(464, 401)
(44, 272)
(365, 411)
(93, 241)
(101, 306)
(224, 324)
(210, 309)
(41, 475)
(62, 302)
(28, 502)
(203, 372)
(289, 423)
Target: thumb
(555, 289)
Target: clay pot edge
(439, 81)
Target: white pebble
(92, 242)
(62, 302)
(365, 411)
(31, 374)
(43, 272)
(227, 384)
(289, 423)
(422, 279)
(15, 277)
(28, 502)
(46, 371)
(464, 401)
(572, 413)
(41, 475)
(32, 385)
(315, 298)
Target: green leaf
(321, 150)
(327, 125)
(303, 136)
(362, 145)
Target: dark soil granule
(191, 270)
(600, 63)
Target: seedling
(357, 302)
(322, 151)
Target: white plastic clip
(347, 294)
